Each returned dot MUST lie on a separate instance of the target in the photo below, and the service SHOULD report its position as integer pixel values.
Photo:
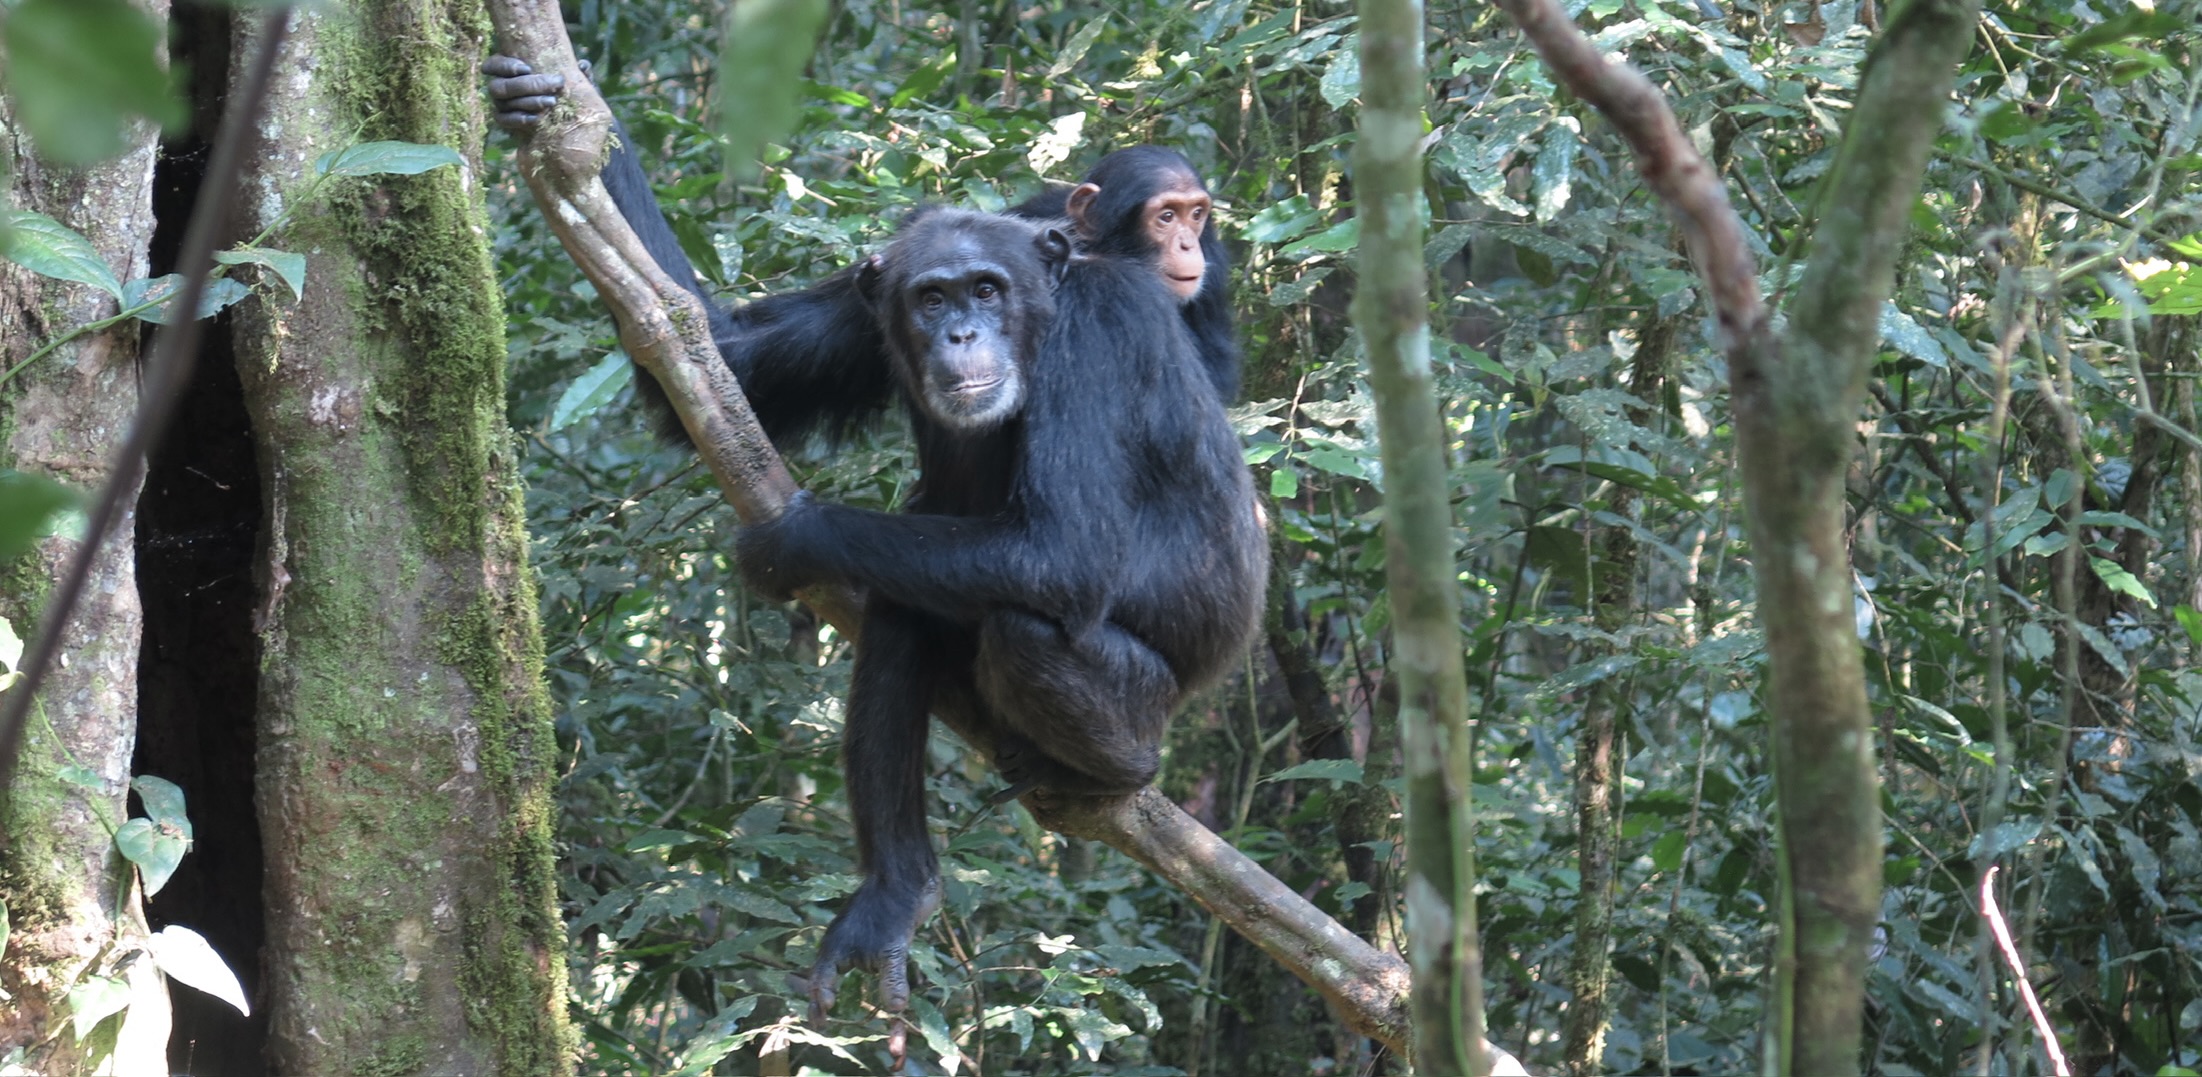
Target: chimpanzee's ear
(1054, 249)
(868, 275)
(1079, 208)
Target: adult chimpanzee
(814, 359)
(1081, 555)
(1082, 550)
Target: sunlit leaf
(93, 999)
(187, 957)
(163, 799)
(156, 848)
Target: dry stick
(664, 330)
(1994, 916)
(166, 378)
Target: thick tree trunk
(404, 781)
(62, 882)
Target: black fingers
(518, 96)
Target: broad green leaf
(1906, 336)
(290, 267)
(2190, 620)
(1279, 221)
(385, 159)
(1343, 236)
(29, 504)
(1075, 49)
(761, 62)
(592, 390)
(95, 998)
(220, 292)
(1342, 79)
(2121, 581)
(156, 848)
(934, 1028)
(1337, 770)
(80, 71)
(1284, 483)
(1552, 178)
(1666, 853)
(49, 248)
(163, 800)
(186, 957)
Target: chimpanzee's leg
(1082, 715)
(899, 662)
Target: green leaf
(81, 776)
(592, 390)
(1666, 853)
(1290, 219)
(1908, 337)
(2121, 581)
(51, 249)
(761, 62)
(28, 506)
(1343, 236)
(1336, 770)
(164, 801)
(1342, 79)
(80, 71)
(95, 998)
(1284, 484)
(2190, 620)
(220, 292)
(186, 956)
(385, 159)
(934, 1028)
(156, 848)
(1075, 49)
(290, 267)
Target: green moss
(34, 875)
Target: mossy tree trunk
(64, 886)
(405, 743)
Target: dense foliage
(2026, 507)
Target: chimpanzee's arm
(810, 360)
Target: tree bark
(405, 742)
(64, 886)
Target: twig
(1994, 916)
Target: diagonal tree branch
(664, 330)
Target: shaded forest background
(2024, 515)
(2021, 535)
